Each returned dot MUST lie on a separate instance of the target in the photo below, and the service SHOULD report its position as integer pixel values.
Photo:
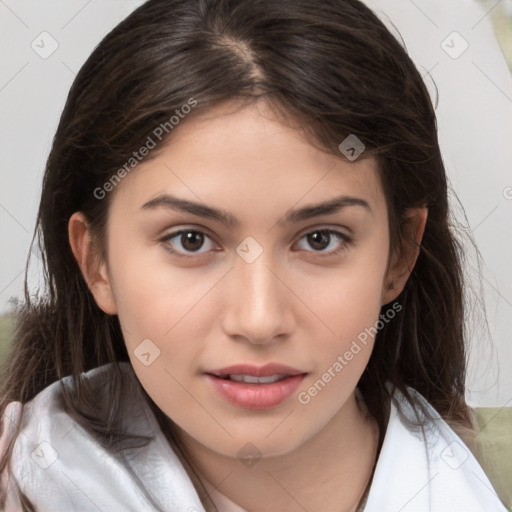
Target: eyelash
(346, 242)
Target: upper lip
(256, 371)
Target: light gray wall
(474, 112)
(475, 130)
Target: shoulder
(46, 415)
(428, 468)
(60, 465)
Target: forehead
(250, 160)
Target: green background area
(501, 18)
(7, 323)
(495, 448)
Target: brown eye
(188, 242)
(192, 240)
(319, 240)
(322, 239)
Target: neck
(329, 472)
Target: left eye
(326, 240)
(190, 241)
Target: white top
(61, 468)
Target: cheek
(165, 313)
(348, 305)
(351, 315)
(348, 300)
(154, 296)
(165, 336)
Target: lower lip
(256, 396)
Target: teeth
(251, 379)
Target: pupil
(319, 240)
(192, 240)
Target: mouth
(251, 387)
(252, 379)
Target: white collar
(60, 467)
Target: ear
(404, 259)
(93, 269)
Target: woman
(244, 220)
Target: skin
(296, 304)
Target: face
(243, 245)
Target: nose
(258, 303)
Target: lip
(256, 396)
(256, 371)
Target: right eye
(187, 242)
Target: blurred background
(501, 18)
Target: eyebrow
(292, 216)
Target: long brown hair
(334, 69)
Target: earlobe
(403, 262)
(93, 270)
